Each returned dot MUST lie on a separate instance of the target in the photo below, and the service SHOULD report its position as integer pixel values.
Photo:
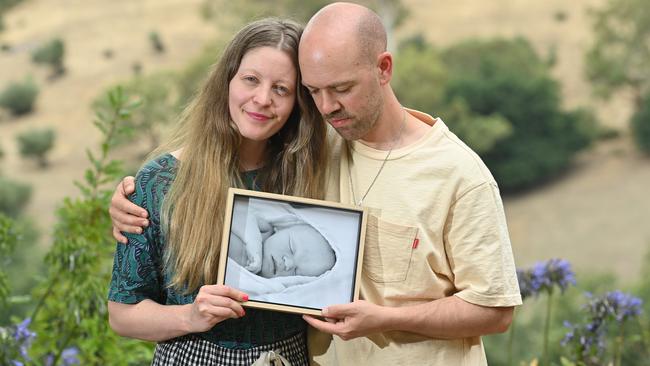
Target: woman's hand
(214, 304)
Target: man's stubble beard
(360, 126)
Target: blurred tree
(619, 57)
(19, 97)
(4, 6)
(14, 196)
(392, 12)
(641, 125)
(420, 81)
(51, 53)
(36, 144)
(157, 94)
(507, 83)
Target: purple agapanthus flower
(623, 306)
(22, 332)
(588, 339)
(587, 342)
(23, 337)
(69, 356)
(544, 276)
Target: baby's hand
(254, 264)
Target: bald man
(438, 269)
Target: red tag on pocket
(416, 241)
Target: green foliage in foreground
(9, 237)
(19, 97)
(36, 144)
(71, 300)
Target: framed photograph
(289, 253)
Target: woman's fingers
(219, 296)
(227, 291)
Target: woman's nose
(262, 96)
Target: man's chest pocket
(387, 250)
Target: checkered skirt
(196, 351)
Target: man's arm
(125, 215)
(447, 318)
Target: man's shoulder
(450, 154)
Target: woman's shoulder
(164, 162)
(155, 174)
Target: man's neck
(395, 129)
(388, 128)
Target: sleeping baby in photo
(277, 243)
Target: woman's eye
(282, 91)
(250, 79)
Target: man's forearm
(448, 318)
(148, 320)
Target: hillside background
(595, 215)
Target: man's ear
(385, 67)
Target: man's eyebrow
(332, 85)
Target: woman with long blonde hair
(253, 125)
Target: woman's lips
(258, 116)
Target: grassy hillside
(595, 216)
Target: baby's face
(296, 250)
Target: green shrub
(14, 196)
(156, 42)
(506, 78)
(641, 126)
(499, 98)
(19, 97)
(51, 53)
(36, 144)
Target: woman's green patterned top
(138, 271)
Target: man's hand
(126, 216)
(349, 321)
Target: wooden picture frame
(311, 251)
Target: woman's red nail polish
(245, 297)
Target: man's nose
(328, 104)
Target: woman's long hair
(296, 158)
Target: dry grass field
(595, 215)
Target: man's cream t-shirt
(436, 229)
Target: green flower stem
(547, 326)
(511, 339)
(618, 346)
